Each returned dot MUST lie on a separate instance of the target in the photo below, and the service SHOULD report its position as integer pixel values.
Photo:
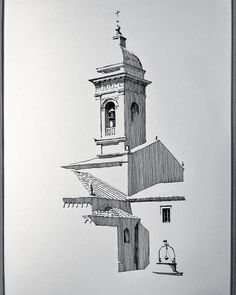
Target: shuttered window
(165, 213)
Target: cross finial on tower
(117, 15)
(118, 32)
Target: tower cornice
(118, 76)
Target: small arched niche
(126, 235)
(134, 109)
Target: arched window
(126, 236)
(110, 118)
(134, 111)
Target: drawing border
(233, 151)
(2, 271)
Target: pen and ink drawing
(120, 89)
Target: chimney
(122, 41)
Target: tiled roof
(114, 213)
(100, 189)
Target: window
(126, 236)
(165, 212)
(134, 111)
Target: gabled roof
(99, 188)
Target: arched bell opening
(110, 118)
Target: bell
(111, 114)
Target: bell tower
(120, 89)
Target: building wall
(128, 257)
(151, 165)
(151, 218)
(143, 247)
(135, 131)
(126, 251)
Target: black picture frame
(233, 153)
(2, 273)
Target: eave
(156, 199)
(109, 141)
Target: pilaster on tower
(120, 89)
